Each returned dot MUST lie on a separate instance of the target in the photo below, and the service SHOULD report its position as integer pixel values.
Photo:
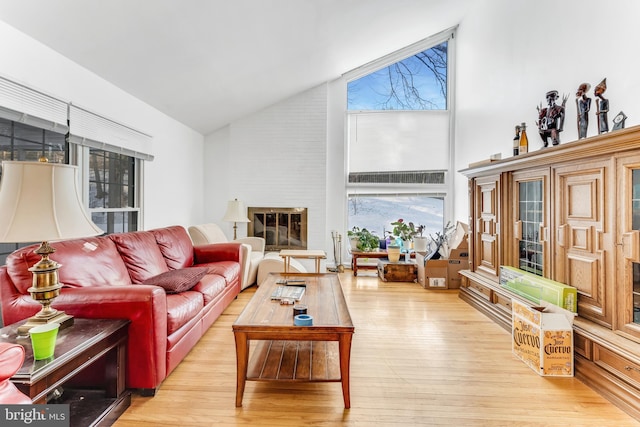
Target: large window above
(418, 82)
(399, 123)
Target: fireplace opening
(282, 228)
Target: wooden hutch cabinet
(570, 213)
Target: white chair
(252, 248)
(273, 263)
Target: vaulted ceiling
(209, 62)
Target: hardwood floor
(419, 357)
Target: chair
(11, 358)
(252, 248)
(273, 263)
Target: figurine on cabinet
(551, 119)
(618, 121)
(602, 105)
(583, 105)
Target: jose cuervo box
(542, 337)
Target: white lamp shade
(236, 212)
(41, 202)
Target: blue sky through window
(418, 82)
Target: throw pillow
(179, 280)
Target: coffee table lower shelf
(304, 361)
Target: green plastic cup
(43, 340)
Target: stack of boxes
(443, 273)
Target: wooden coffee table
(285, 352)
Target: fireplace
(282, 228)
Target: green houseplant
(367, 241)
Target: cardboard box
(536, 288)
(542, 337)
(461, 252)
(453, 267)
(434, 269)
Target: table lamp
(40, 202)
(236, 213)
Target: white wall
(510, 53)
(276, 157)
(173, 181)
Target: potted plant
(420, 241)
(363, 240)
(404, 231)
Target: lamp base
(60, 317)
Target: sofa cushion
(141, 254)
(175, 246)
(176, 281)
(93, 261)
(210, 287)
(230, 270)
(181, 308)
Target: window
(22, 142)
(399, 130)
(376, 212)
(418, 82)
(112, 191)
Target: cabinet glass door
(529, 221)
(635, 225)
(627, 281)
(530, 254)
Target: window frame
(82, 156)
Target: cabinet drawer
(582, 345)
(617, 365)
(502, 302)
(483, 291)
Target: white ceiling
(208, 62)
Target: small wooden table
(292, 353)
(77, 347)
(359, 254)
(287, 254)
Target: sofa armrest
(257, 243)
(145, 306)
(217, 252)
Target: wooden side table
(287, 254)
(359, 254)
(77, 347)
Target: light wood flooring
(419, 357)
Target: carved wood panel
(580, 223)
(487, 206)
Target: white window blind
(398, 141)
(19, 103)
(91, 130)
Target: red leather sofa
(103, 278)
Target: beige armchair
(252, 248)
